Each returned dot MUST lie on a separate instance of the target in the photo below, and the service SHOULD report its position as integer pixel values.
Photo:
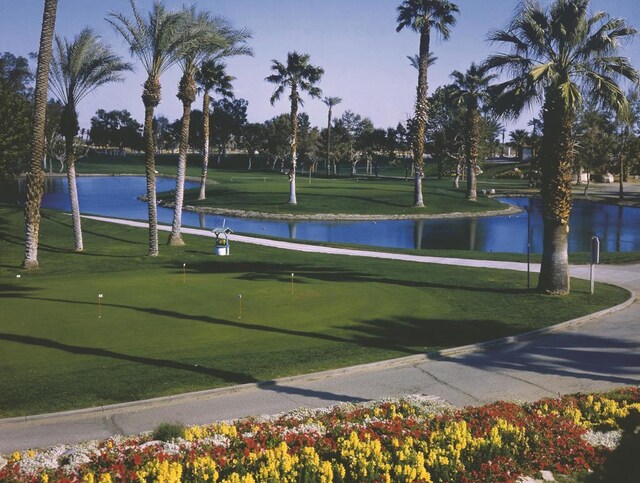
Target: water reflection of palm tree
(473, 230)
(293, 229)
(418, 232)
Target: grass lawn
(269, 192)
(159, 333)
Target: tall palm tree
(558, 55)
(155, 41)
(78, 68)
(35, 174)
(201, 38)
(211, 76)
(330, 102)
(414, 60)
(470, 90)
(299, 76)
(422, 16)
(627, 120)
(519, 138)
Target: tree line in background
(561, 56)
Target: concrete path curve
(590, 354)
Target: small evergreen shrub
(168, 432)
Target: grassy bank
(268, 191)
(160, 330)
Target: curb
(398, 362)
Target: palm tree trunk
(205, 147)
(421, 117)
(35, 175)
(554, 269)
(556, 160)
(294, 146)
(187, 95)
(329, 142)
(73, 193)
(473, 129)
(151, 98)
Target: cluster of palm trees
(195, 40)
(555, 55)
(159, 41)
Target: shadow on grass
(418, 335)
(264, 271)
(86, 231)
(9, 290)
(228, 376)
(402, 335)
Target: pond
(616, 226)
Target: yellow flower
(204, 468)
(226, 430)
(105, 478)
(194, 433)
(236, 478)
(162, 472)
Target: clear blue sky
(355, 41)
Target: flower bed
(411, 440)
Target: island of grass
(266, 193)
(188, 320)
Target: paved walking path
(592, 354)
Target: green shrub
(168, 432)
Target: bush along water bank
(415, 439)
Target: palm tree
(414, 60)
(520, 139)
(470, 90)
(201, 38)
(299, 76)
(77, 69)
(422, 16)
(155, 41)
(627, 120)
(330, 102)
(211, 76)
(35, 175)
(558, 55)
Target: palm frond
(332, 101)
(81, 66)
(276, 94)
(154, 40)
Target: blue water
(617, 227)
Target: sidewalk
(591, 354)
